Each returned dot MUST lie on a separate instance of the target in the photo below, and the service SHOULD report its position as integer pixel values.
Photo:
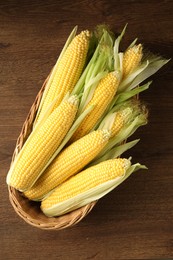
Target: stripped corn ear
(83, 183)
(69, 162)
(41, 145)
(132, 58)
(67, 72)
(102, 97)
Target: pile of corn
(87, 112)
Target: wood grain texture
(136, 220)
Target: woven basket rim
(22, 206)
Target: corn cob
(70, 161)
(131, 59)
(82, 183)
(67, 72)
(41, 145)
(102, 97)
(120, 118)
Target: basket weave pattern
(29, 210)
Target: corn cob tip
(106, 134)
(117, 74)
(126, 164)
(126, 113)
(74, 99)
(138, 48)
(115, 121)
(87, 33)
(84, 35)
(131, 59)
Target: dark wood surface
(136, 220)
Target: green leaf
(116, 49)
(124, 85)
(132, 44)
(99, 62)
(114, 152)
(121, 97)
(153, 66)
(89, 90)
(124, 133)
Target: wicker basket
(29, 210)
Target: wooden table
(135, 221)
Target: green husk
(91, 195)
(155, 63)
(99, 62)
(122, 97)
(115, 152)
(148, 67)
(132, 106)
(89, 90)
(124, 85)
(132, 44)
(74, 128)
(129, 87)
(124, 133)
(117, 62)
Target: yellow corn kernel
(121, 117)
(41, 145)
(70, 161)
(117, 124)
(84, 181)
(102, 97)
(132, 58)
(67, 72)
